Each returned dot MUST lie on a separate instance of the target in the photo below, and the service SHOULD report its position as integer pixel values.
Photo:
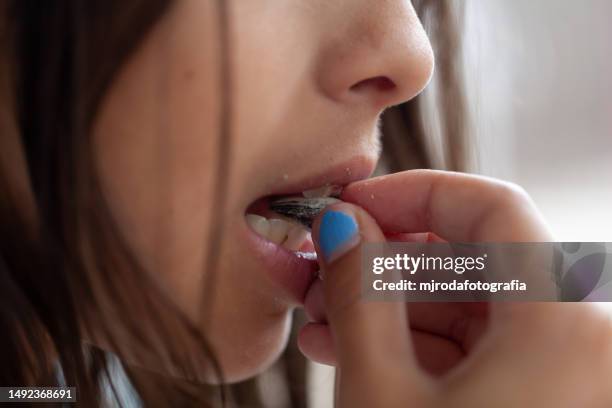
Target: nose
(375, 53)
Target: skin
(503, 354)
(156, 136)
(307, 95)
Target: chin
(250, 354)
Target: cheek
(154, 140)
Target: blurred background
(539, 78)
(539, 82)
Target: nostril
(379, 83)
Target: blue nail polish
(336, 230)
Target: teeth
(296, 237)
(278, 230)
(259, 224)
(290, 235)
(325, 191)
(293, 231)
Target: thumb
(369, 337)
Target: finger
(435, 354)
(529, 347)
(462, 323)
(371, 338)
(416, 237)
(456, 207)
(315, 342)
(314, 304)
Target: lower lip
(291, 273)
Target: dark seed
(303, 210)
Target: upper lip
(340, 174)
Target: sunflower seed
(302, 210)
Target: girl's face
(310, 80)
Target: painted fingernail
(338, 234)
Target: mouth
(287, 220)
(278, 226)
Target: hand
(531, 354)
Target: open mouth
(278, 225)
(286, 220)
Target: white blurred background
(540, 82)
(540, 77)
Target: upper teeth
(289, 235)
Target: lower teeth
(290, 235)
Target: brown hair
(62, 57)
(431, 131)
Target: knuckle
(596, 329)
(512, 193)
